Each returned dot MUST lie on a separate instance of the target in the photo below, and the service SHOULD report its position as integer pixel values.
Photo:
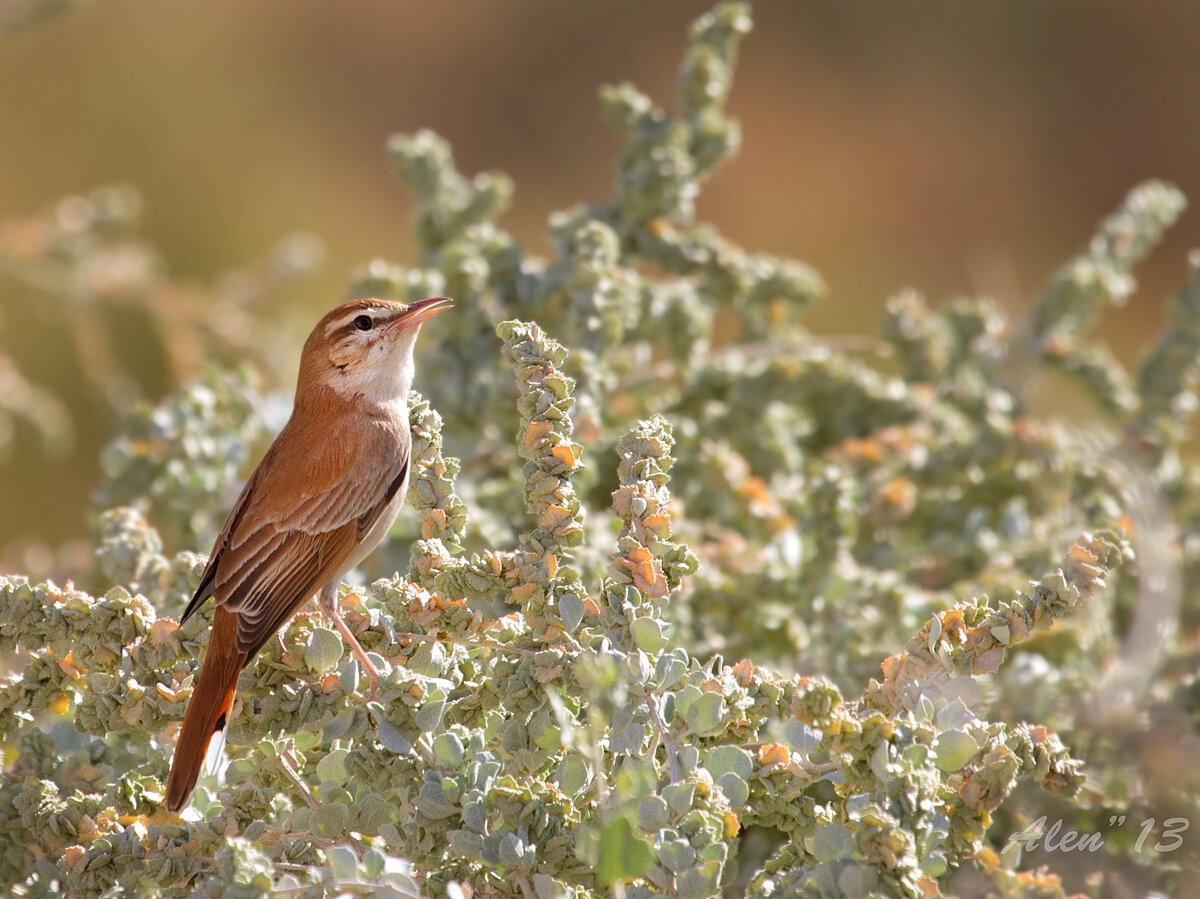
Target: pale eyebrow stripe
(337, 324)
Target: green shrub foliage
(746, 612)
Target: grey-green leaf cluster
(688, 602)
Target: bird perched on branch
(319, 502)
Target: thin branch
(286, 761)
(664, 734)
(469, 644)
(523, 883)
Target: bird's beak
(422, 310)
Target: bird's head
(364, 348)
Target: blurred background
(951, 147)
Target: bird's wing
(299, 519)
(205, 588)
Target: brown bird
(319, 502)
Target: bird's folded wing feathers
(280, 546)
(268, 592)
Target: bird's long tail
(208, 711)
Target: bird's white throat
(385, 376)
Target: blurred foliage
(940, 639)
(81, 260)
(18, 14)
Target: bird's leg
(329, 605)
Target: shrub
(816, 617)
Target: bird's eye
(364, 323)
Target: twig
(469, 644)
(355, 887)
(319, 842)
(664, 734)
(523, 883)
(425, 750)
(286, 760)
